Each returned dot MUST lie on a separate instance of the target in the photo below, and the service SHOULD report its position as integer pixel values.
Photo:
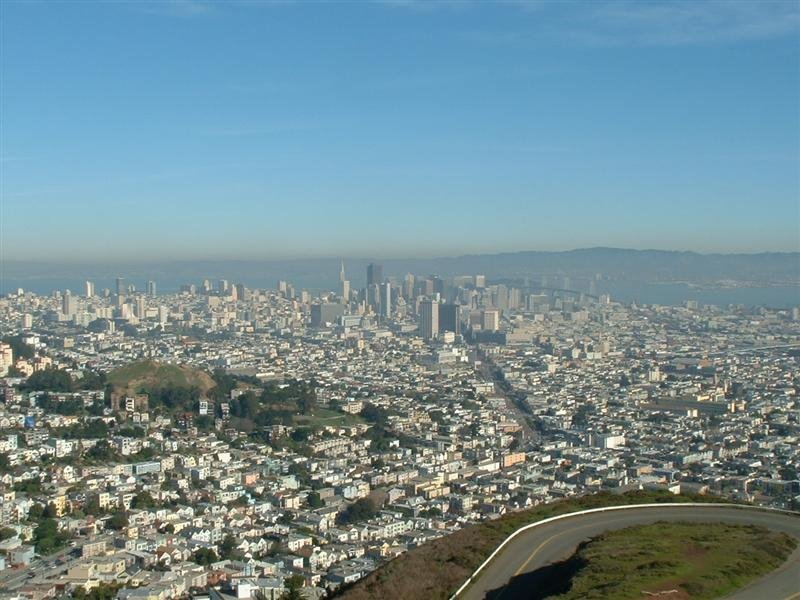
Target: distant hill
(652, 266)
(153, 375)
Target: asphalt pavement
(526, 569)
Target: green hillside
(436, 569)
(149, 375)
(697, 560)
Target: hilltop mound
(149, 374)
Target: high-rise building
(121, 288)
(374, 295)
(325, 314)
(344, 285)
(374, 274)
(491, 319)
(69, 304)
(429, 319)
(89, 289)
(27, 321)
(480, 281)
(141, 307)
(242, 293)
(222, 286)
(386, 300)
(449, 318)
(151, 288)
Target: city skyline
(182, 130)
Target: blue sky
(247, 130)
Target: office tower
(121, 288)
(449, 318)
(374, 274)
(408, 286)
(501, 296)
(429, 319)
(206, 286)
(480, 281)
(491, 319)
(222, 286)
(69, 304)
(151, 288)
(325, 314)
(373, 295)
(282, 286)
(89, 289)
(514, 298)
(386, 300)
(163, 314)
(141, 307)
(242, 293)
(344, 285)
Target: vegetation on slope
(150, 375)
(438, 568)
(698, 560)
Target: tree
(204, 556)
(143, 500)
(361, 510)
(19, 348)
(228, 550)
(52, 380)
(50, 511)
(315, 501)
(117, 521)
(293, 585)
(6, 533)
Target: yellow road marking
(535, 552)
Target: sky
(186, 129)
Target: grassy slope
(131, 378)
(701, 561)
(320, 417)
(438, 568)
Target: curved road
(552, 542)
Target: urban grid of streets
(485, 399)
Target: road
(528, 558)
(44, 568)
(515, 405)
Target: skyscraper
(449, 318)
(121, 286)
(386, 300)
(151, 288)
(374, 274)
(491, 319)
(344, 285)
(89, 289)
(69, 305)
(429, 319)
